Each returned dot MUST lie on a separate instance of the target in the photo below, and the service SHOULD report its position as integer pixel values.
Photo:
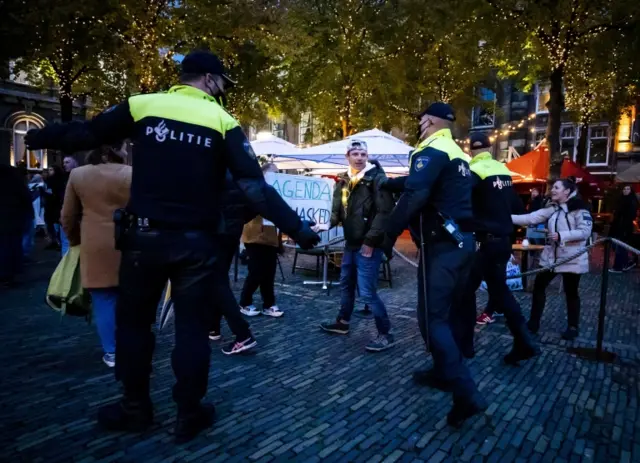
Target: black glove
(33, 140)
(305, 237)
(387, 246)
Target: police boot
(430, 379)
(126, 415)
(191, 422)
(465, 409)
(523, 348)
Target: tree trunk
(581, 154)
(555, 106)
(66, 105)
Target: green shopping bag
(65, 293)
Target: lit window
(598, 148)
(485, 115)
(568, 141)
(32, 160)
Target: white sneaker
(109, 360)
(273, 311)
(250, 311)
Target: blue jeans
(364, 271)
(104, 313)
(64, 242)
(28, 237)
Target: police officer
(436, 205)
(175, 214)
(494, 200)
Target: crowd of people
(185, 229)
(33, 202)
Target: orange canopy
(531, 167)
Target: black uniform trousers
(189, 260)
(447, 269)
(490, 265)
(228, 306)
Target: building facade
(518, 121)
(24, 107)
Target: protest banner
(310, 197)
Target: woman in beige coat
(93, 193)
(569, 227)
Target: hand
(553, 236)
(366, 251)
(387, 246)
(316, 228)
(305, 236)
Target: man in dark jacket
(15, 210)
(235, 212)
(363, 210)
(622, 228)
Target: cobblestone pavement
(307, 396)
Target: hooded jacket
(572, 221)
(362, 207)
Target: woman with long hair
(569, 226)
(94, 192)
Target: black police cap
(479, 140)
(205, 62)
(440, 110)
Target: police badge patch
(248, 149)
(421, 163)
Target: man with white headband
(363, 210)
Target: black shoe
(533, 327)
(462, 411)
(126, 415)
(428, 378)
(337, 327)
(520, 352)
(570, 334)
(468, 352)
(190, 424)
(523, 345)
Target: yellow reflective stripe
(483, 165)
(442, 140)
(182, 107)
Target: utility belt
(126, 223)
(483, 237)
(448, 229)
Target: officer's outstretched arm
(110, 126)
(394, 185)
(246, 172)
(425, 169)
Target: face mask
(218, 95)
(422, 129)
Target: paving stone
(306, 396)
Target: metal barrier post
(603, 299)
(598, 354)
